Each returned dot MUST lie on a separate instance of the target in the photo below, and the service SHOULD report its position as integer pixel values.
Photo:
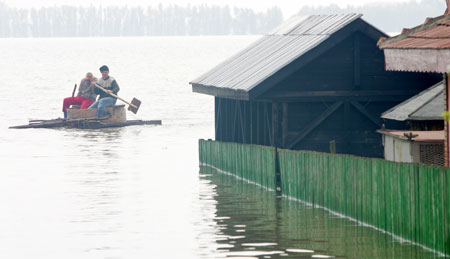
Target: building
(422, 111)
(307, 83)
(425, 48)
(423, 141)
(426, 147)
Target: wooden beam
(268, 125)
(233, 136)
(250, 104)
(218, 108)
(275, 125)
(265, 135)
(347, 125)
(376, 120)
(446, 123)
(322, 117)
(258, 123)
(353, 93)
(241, 121)
(285, 124)
(357, 61)
(320, 99)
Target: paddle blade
(136, 103)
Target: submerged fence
(408, 200)
(253, 163)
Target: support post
(285, 125)
(275, 125)
(357, 62)
(446, 122)
(250, 105)
(258, 124)
(235, 106)
(217, 117)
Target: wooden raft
(87, 119)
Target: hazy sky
(289, 7)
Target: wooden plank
(446, 123)
(267, 126)
(301, 135)
(275, 125)
(352, 93)
(347, 124)
(264, 127)
(217, 105)
(364, 111)
(240, 111)
(320, 99)
(258, 123)
(285, 124)
(357, 62)
(234, 105)
(228, 108)
(251, 121)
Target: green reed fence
(250, 162)
(409, 200)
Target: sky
(289, 7)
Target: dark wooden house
(307, 83)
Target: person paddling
(104, 100)
(85, 97)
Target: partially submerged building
(307, 83)
(423, 139)
(425, 48)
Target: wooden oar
(74, 89)
(133, 106)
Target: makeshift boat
(86, 119)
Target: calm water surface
(137, 192)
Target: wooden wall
(338, 97)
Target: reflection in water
(276, 227)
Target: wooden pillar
(346, 147)
(275, 125)
(234, 117)
(446, 123)
(357, 62)
(264, 124)
(228, 108)
(250, 105)
(285, 125)
(217, 118)
(257, 128)
(241, 112)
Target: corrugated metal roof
(273, 51)
(433, 34)
(428, 105)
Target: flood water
(138, 192)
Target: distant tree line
(71, 21)
(389, 17)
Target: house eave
(220, 92)
(417, 60)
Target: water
(136, 192)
